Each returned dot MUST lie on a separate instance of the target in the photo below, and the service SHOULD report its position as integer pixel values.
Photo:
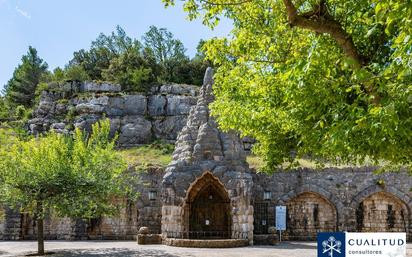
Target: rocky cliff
(138, 118)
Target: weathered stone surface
(99, 87)
(202, 152)
(149, 239)
(85, 122)
(143, 230)
(82, 110)
(89, 108)
(179, 105)
(157, 105)
(176, 89)
(135, 130)
(168, 127)
(343, 190)
(135, 104)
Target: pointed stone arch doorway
(207, 212)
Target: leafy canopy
(134, 65)
(77, 176)
(325, 79)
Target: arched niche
(382, 212)
(207, 212)
(309, 213)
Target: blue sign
(331, 244)
(281, 217)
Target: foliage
(4, 109)
(121, 59)
(75, 73)
(77, 176)
(20, 89)
(130, 70)
(326, 79)
(101, 52)
(167, 52)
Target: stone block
(135, 105)
(157, 105)
(99, 87)
(148, 239)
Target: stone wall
(343, 190)
(309, 213)
(145, 211)
(346, 199)
(382, 212)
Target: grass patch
(258, 164)
(155, 154)
(255, 162)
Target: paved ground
(129, 249)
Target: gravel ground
(130, 248)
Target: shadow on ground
(113, 252)
(290, 246)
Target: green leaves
(75, 176)
(300, 94)
(135, 65)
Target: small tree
(77, 176)
(20, 89)
(167, 51)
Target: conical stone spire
(203, 151)
(201, 140)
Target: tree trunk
(40, 235)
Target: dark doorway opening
(209, 207)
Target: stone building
(209, 192)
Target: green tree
(58, 74)
(20, 89)
(77, 176)
(102, 51)
(4, 109)
(75, 73)
(168, 53)
(130, 70)
(320, 78)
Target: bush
(20, 112)
(76, 73)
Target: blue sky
(57, 28)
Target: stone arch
(391, 189)
(308, 213)
(378, 210)
(206, 209)
(331, 198)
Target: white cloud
(23, 13)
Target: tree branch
(225, 4)
(320, 21)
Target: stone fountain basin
(206, 243)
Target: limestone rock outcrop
(138, 118)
